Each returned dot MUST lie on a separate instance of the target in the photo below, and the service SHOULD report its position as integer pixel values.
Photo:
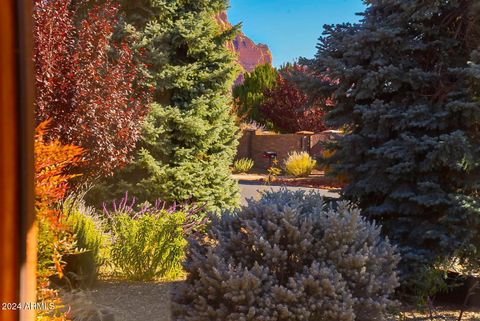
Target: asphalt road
(252, 189)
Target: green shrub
(243, 165)
(45, 241)
(149, 246)
(148, 242)
(273, 171)
(288, 257)
(299, 164)
(82, 267)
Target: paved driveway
(250, 189)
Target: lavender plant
(288, 257)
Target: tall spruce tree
(405, 82)
(189, 137)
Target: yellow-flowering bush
(299, 164)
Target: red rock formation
(250, 54)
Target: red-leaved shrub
(289, 109)
(88, 85)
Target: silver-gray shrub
(288, 257)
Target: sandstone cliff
(249, 53)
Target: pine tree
(189, 137)
(406, 87)
(249, 94)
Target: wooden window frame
(17, 219)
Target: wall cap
(304, 132)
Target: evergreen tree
(249, 94)
(189, 137)
(406, 87)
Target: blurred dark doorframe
(17, 223)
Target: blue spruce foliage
(405, 82)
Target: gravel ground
(136, 301)
(440, 314)
(122, 301)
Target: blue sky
(291, 28)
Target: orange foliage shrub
(52, 160)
